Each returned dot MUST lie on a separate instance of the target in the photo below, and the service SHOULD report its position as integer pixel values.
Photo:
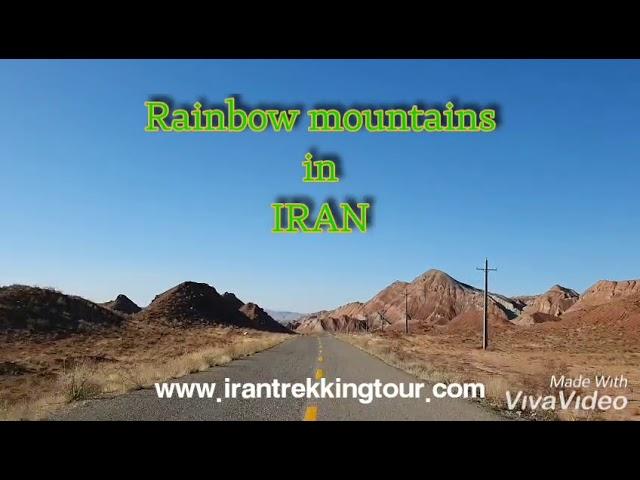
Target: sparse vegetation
(57, 349)
(50, 371)
(524, 361)
(80, 383)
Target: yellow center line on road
(311, 414)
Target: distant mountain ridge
(434, 299)
(284, 317)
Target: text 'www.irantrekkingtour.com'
(367, 392)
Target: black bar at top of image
(459, 39)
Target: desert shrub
(79, 383)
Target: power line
(485, 323)
(406, 314)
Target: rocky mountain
(199, 303)
(548, 306)
(554, 301)
(433, 298)
(285, 318)
(43, 310)
(606, 291)
(122, 304)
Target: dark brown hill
(122, 304)
(44, 310)
(233, 301)
(199, 303)
(193, 303)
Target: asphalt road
(295, 360)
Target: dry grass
(40, 374)
(519, 359)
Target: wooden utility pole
(485, 322)
(406, 313)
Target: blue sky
(95, 206)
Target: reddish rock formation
(605, 291)
(333, 323)
(471, 321)
(532, 318)
(615, 319)
(433, 298)
(548, 306)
